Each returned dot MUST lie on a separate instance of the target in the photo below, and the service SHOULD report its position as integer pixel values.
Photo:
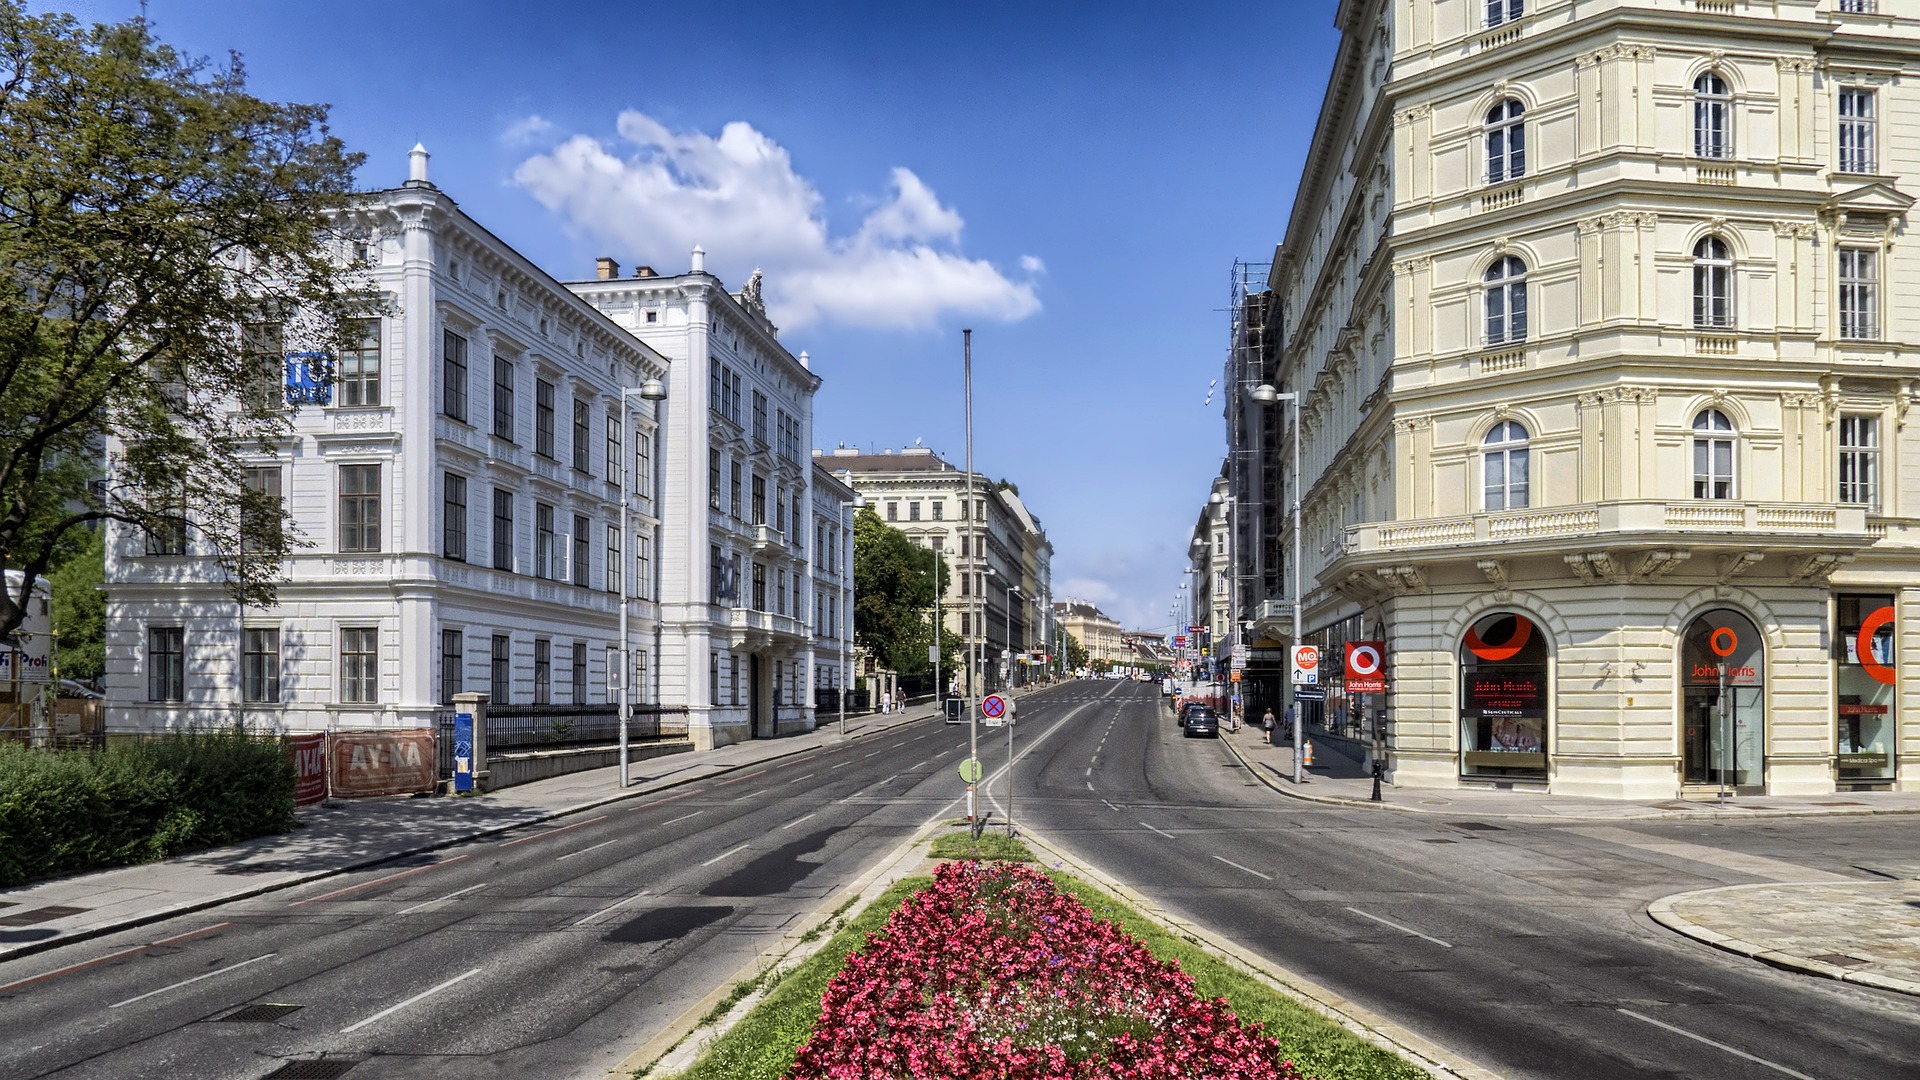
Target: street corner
(1861, 932)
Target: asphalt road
(1523, 946)
(549, 952)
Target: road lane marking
(1397, 926)
(421, 996)
(1089, 772)
(190, 982)
(749, 795)
(842, 765)
(797, 821)
(876, 753)
(1248, 869)
(724, 854)
(553, 832)
(84, 964)
(797, 779)
(1089, 785)
(1164, 833)
(381, 881)
(1110, 806)
(595, 847)
(1718, 1045)
(611, 907)
(917, 764)
(683, 817)
(451, 895)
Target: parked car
(1201, 720)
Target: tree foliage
(893, 590)
(165, 236)
(80, 609)
(1076, 653)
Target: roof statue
(750, 293)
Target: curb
(162, 914)
(1374, 1028)
(1662, 911)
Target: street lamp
(656, 391)
(1265, 394)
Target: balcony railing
(1750, 519)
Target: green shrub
(62, 812)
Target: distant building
(1094, 630)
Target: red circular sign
(1364, 660)
(1507, 650)
(1306, 658)
(993, 705)
(1733, 642)
(1863, 646)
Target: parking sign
(1306, 665)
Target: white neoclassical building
(1593, 314)
(460, 493)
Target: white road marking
(1397, 926)
(724, 854)
(451, 895)
(1248, 869)
(875, 754)
(683, 817)
(1089, 785)
(421, 996)
(1168, 835)
(749, 795)
(1089, 772)
(842, 765)
(595, 847)
(797, 779)
(610, 907)
(1718, 1045)
(917, 764)
(797, 821)
(190, 982)
(1110, 806)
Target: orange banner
(382, 763)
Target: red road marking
(553, 832)
(737, 779)
(379, 881)
(110, 956)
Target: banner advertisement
(309, 754)
(365, 763)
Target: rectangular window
(616, 456)
(453, 376)
(759, 586)
(542, 671)
(546, 557)
(733, 676)
(261, 516)
(1859, 294)
(716, 391)
(502, 529)
(359, 508)
(453, 516)
(640, 676)
(166, 663)
(779, 512)
(780, 593)
(614, 563)
(939, 508)
(1858, 7)
(359, 665)
(643, 465)
(737, 503)
(1854, 133)
(893, 511)
(713, 677)
(583, 437)
(170, 536)
(1500, 12)
(453, 660)
(260, 666)
(913, 511)
(357, 382)
(500, 670)
(503, 398)
(713, 479)
(1860, 460)
(579, 673)
(582, 549)
(715, 575)
(643, 573)
(760, 418)
(543, 418)
(261, 350)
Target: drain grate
(1476, 826)
(257, 1014)
(40, 915)
(1840, 960)
(310, 1070)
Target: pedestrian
(1266, 722)
(1286, 733)
(886, 702)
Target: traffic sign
(993, 706)
(1309, 693)
(970, 770)
(1366, 667)
(1306, 665)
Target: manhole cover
(1476, 826)
(257, 1014)
(40, 915)
(310, 1070)
(1840, 960)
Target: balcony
(1777, 526)
(750, 629)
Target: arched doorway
(1503, 699)
(1723, 723)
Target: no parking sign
(1366, 667)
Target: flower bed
(993, 972)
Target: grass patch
(763, 1044)
(1319, 1047)
(991, 847)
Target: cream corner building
(1605, 391)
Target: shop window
(1864, 682)
(1503, 699)
(1723, 718)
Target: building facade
(1094, 630)
(461, 492)
(1603, 400)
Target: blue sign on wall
(306, 379)
(463, 752)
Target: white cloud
(737, 195)
(526, 129)
(1032, 265)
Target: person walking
(1266, 722)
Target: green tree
(166, 235)
(80, 609)
(893, 589)
(1076, 653)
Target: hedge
(63, 812)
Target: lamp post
(1265, 394)
(656, 391)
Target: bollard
(1307, 755)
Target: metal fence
(560, 727)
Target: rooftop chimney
(644, 271)
(608, 269)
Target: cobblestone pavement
(1859, 932)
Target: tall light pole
(651, 390)
(1265, 394)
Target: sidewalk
(348, 834)
(1858, 931)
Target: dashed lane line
(190, 982)
(1248, 869)
(1397, 926)
(421, 996)
(1162, 832)
(450, 896)
(1742, 1054)
(724, 854)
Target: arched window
(1504, 452)
(1506, 282)
(1506, 142)
(1712, 117)
(1713, 437)
(1712, 284)
(1504, 11)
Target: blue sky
(1072, 181)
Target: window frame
(1505, 141)
(543, 419)
(453, 376)
(260, 667)
(1714, 279)
(1856, 136)
(1502, 281)
(359, 665)
(1707, 485)
(1501, 12)
(504, 421)
(1713, 109)
(452, 663)
(503, 538)
(356, 381)
(1857, 458)
(582, 436)
(1507, 442)
(1857, 303)
(582, 557)
(358, 528)
(500, 669)
(166, 663)
(453, 516)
